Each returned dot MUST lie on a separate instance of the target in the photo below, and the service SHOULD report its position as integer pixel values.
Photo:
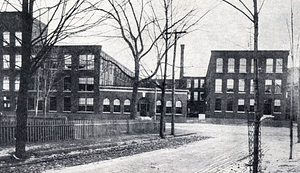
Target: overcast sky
(223, 28)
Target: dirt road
(226, 151)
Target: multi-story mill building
(75, 81)
(230, 83)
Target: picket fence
(49, 129)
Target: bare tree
(253, 17)
(65, 18)
(140, 26)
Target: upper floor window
(243, 66)
(278, 86)
(68, 62)
(17, 83)
(252, 86)
(218, 86)
(188, 83)
(86, 84)
(230, 65)
(86, 62)
(230, 84)
(67, 83)
(6, 38)
(6, 61)
(201, 83)
(252, 65)
(219, 65)
(18, 38)
(268, 86)
(6, 83)
(196, 83)
(279, 65)
(202, 96)
(269, 65)
(241, 85)
(18, 61)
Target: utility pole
(292, 82)
(173, 81)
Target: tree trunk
(25, 74)
(134, 96)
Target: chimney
(181, 61)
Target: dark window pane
(67, 104)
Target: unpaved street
(225, 151)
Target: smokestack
(181, 61)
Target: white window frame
(18, 39)
(243, 65)
(6, 61)
(231, 65)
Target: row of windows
(17, 37)
(86, 105)
(270, 86)
(197, 96)
(196, 83)
(243, 65)
(86, 62)
(241, 105)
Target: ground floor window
(67, 103)
(106, 105)
(218, 104)
(169, 107)
(158, 106)
(6, 103)
(178, 107)
(117, 105)
(241, 105)
(277, 106)
(86, 104)
(53, 104)
(251, 105)
(229, 105)
(30, 103)
(127, 105)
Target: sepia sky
(223, 28)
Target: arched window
(169, 107)
(158, 106)
(127, 105)
(106, 105)
(178, 107)
(117, 105)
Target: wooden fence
(49, 129)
